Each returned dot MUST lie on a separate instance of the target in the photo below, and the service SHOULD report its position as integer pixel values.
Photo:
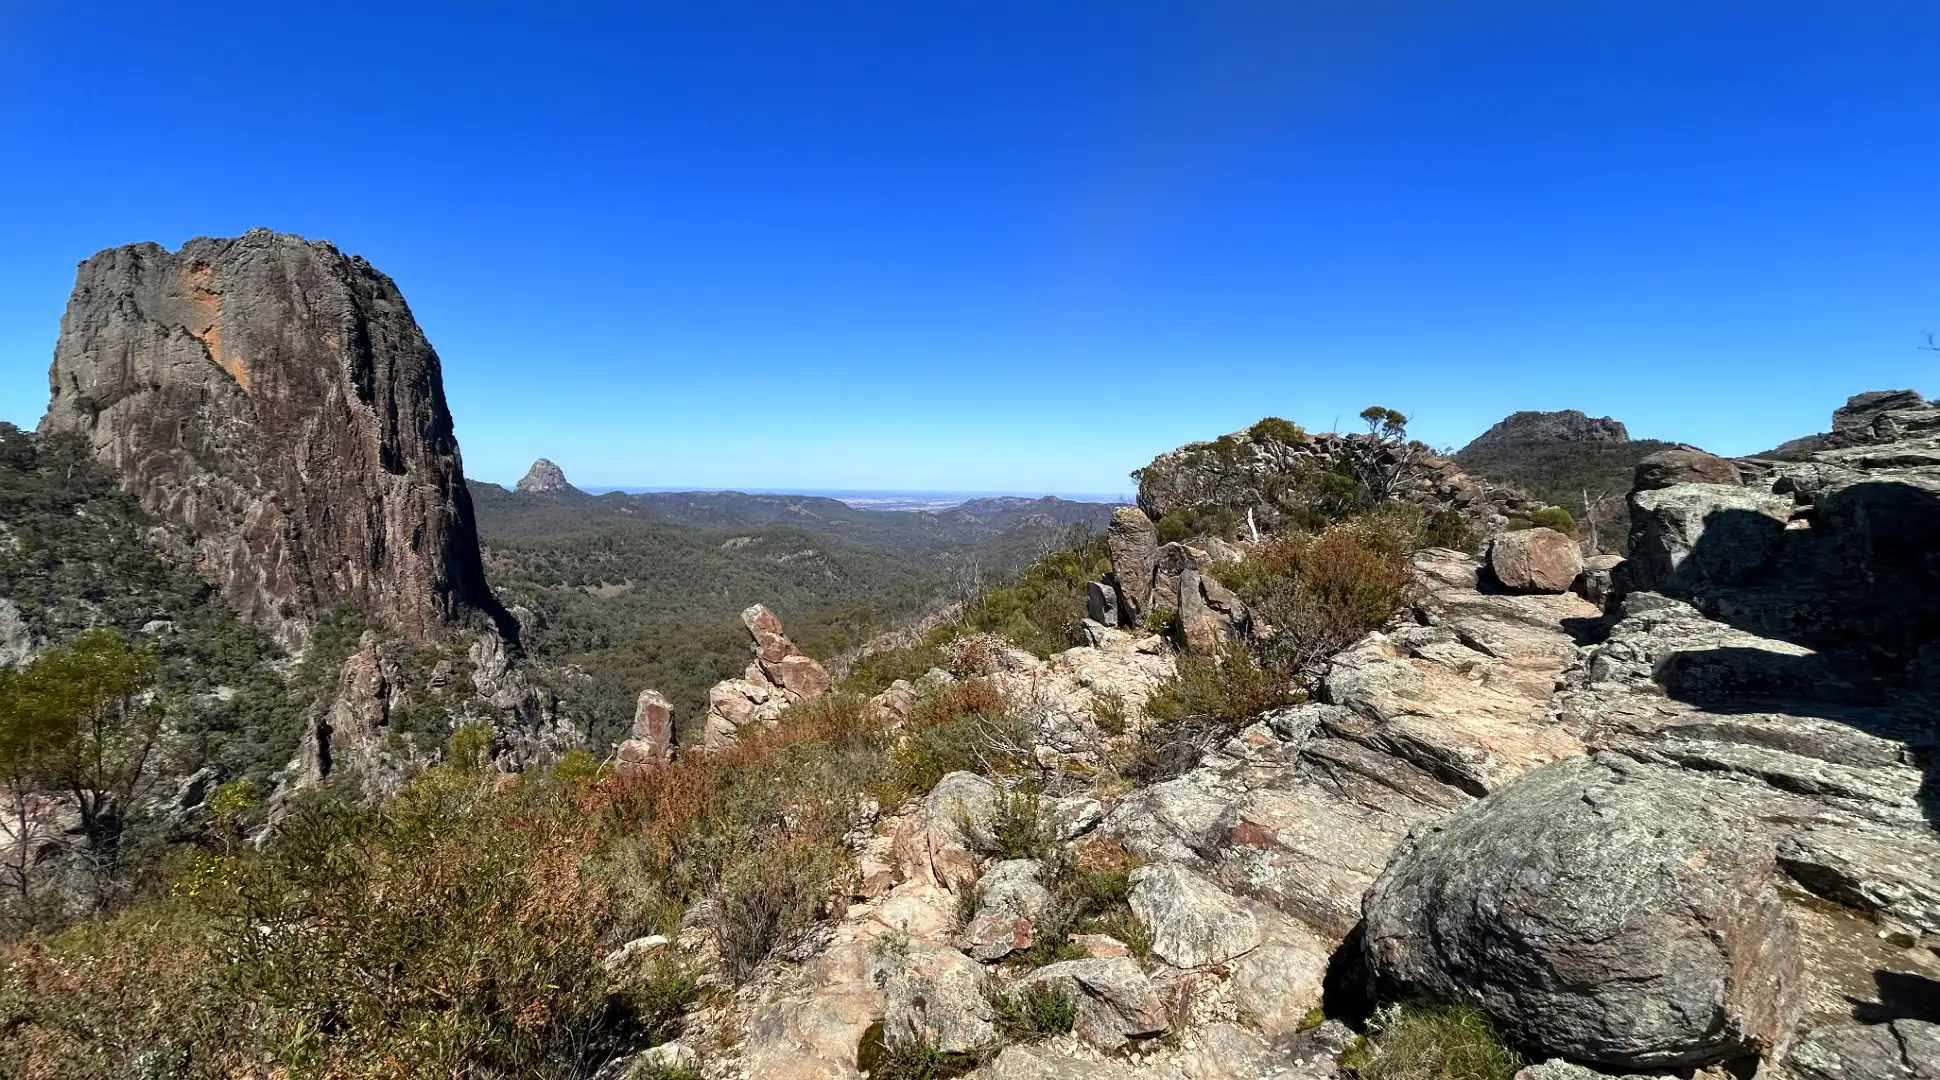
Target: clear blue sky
(1021, 246)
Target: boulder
(1598, 582)
(1279, 983)
(1690, 536)
(1869, 417)
(938, 996)
(990, 937)
(1211, 616)
(1684, 465)
(1602, 911)
(1535, 561)
(1193, 922)
(1101, 603)
(1133, 542)
(1115, 1000)
(652, 740)
(1900, 1050)
(1011, 900)
(941, 841)
(1014, 886)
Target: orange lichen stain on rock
(207, 324)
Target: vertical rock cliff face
(276, 398)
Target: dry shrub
(767, 896)
(971, 655)
(1206, 699)
(965, 726)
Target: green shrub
(1209, 520)
(661, 997)
(1045, 612)
(1554, 517)
(1274, 429)
(1447, 528)
(1089, 899)
(1159, 620)
(575, 766)
(1431, 1042)
(1035, 1012)
(1323, 592)
(455, 929)
(767, 895)
(471, 747)
(1015, 826)
(1108, 711)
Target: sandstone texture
(276, 398)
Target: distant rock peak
(1563, 426)
(543, 477)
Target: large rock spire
(276, 398)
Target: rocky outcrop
(1604, 912)
(652, 739)
(1115, 1001)
(1170, 583)
(1529, 428)
(1535, 560)
(1281, 475)
(276, 398)
(1826, 549)
(780, 676)
(1696, 536)
(544, 478)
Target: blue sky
(995, 246)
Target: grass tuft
(1431, 1042)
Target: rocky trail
(1647, 840)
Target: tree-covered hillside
(645, 591)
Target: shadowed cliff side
(277, 399)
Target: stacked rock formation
(1168, 583)
(780, 676)
(276, 398)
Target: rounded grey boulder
(1608, 912)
